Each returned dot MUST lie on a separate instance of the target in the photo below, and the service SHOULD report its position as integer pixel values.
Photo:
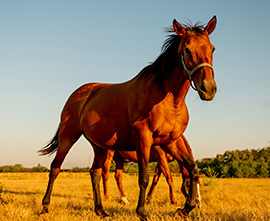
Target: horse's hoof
(143, 218)
(142, 214)
(44, 210)
(174, 202)
(102, 213)
(181, 213)
(148, 200)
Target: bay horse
(156, 155)
(145, 111)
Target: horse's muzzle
(207, 90)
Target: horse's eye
(187, 51)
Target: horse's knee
(117, 176)
(95, 176)
(193, 170)
(54, 172)
(144, 180)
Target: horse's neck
(172, 69)
(175, 83)
(178, 85)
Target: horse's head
(196, 54)
(185, 189)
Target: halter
(198, 197)
(191, 72)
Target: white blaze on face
(199, 199)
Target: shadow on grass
(27, 193)
(121, 213)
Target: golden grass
(223, 199)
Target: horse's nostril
(203, 87)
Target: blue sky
(49, 48)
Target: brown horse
(156, 155)
(146, 111)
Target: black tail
(52, 146)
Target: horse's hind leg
(118, 175)
(163, 167)
(105, 173)
(96, 173)
(65, 143)
(154, 183)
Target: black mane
(164, 65)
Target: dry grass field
(223, 199)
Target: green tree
(236, 163)
(38, 168)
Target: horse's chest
(162, 122)
(167, 123)
(165, 133)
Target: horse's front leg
(96, 173)
(143, 146)
(143, 183)
(179, 151)
(197, 175)
(191, 200)
(185, 177)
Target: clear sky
(50, 48)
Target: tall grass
(222, 199)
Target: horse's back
(78, 98)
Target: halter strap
(185, 185)
(198, 197)
(191, 72)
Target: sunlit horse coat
(148, 110)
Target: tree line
(19, 168)
(253, 163)
(129, 167)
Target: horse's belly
(106, 132)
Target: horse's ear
(211, 25)
(178, 28)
